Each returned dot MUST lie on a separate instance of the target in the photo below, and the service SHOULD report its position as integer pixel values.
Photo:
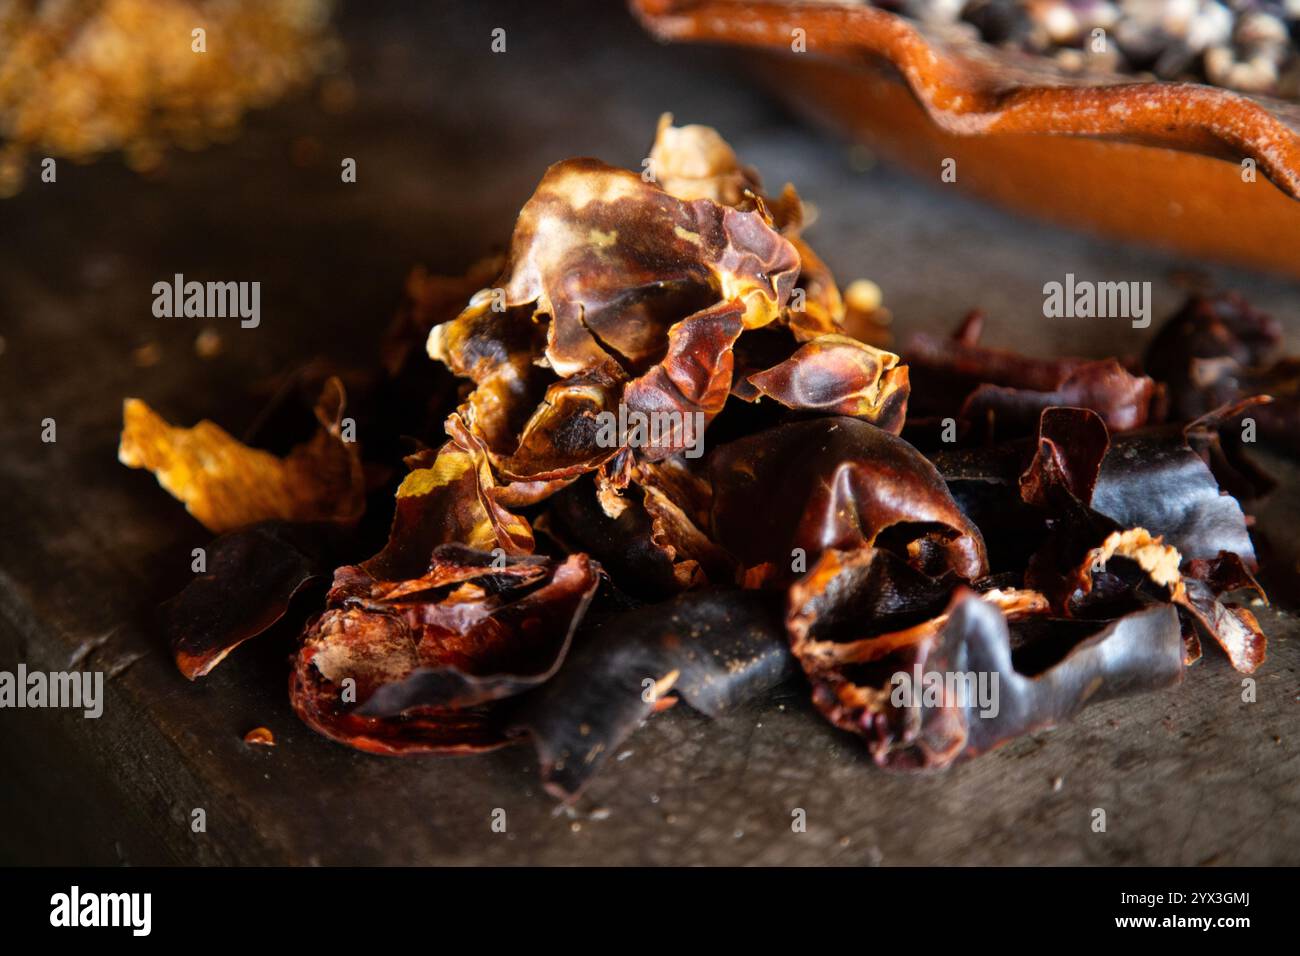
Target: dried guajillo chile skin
(1154, 480)
(623, 545)
(628, 294)
(996, 395)
(1202, 350)
(254, 572)
(712, 648)
(834, 483)
(694, 379)
(497, 350)
(1072, 445)
(985, 483)
(1218, 350)
(431, 300)
(1123, 400)
(1137, 653)
(425, 657)
(1148, 497)
(252, 576)
(285, 520)
(1233, 627)
(859, 614)
(609, 259)
(694, 162)
(1151, 478)
(678, 500)
(637, 292)
(316, 702)
(862, 616)
(562, 439)
(837, 375)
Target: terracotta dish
(1154, 162)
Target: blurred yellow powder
(83, 77)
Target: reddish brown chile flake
(1208, 351)
(228, 486)
(1072, 443)
(837, 375)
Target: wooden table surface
(449, 140)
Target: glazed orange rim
(967, 98)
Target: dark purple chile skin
(1138, 653)
(252, 576)
(1222, 329)
(1153, 480)
(727, 646)
(1150, 479)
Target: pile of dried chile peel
(550, 577)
